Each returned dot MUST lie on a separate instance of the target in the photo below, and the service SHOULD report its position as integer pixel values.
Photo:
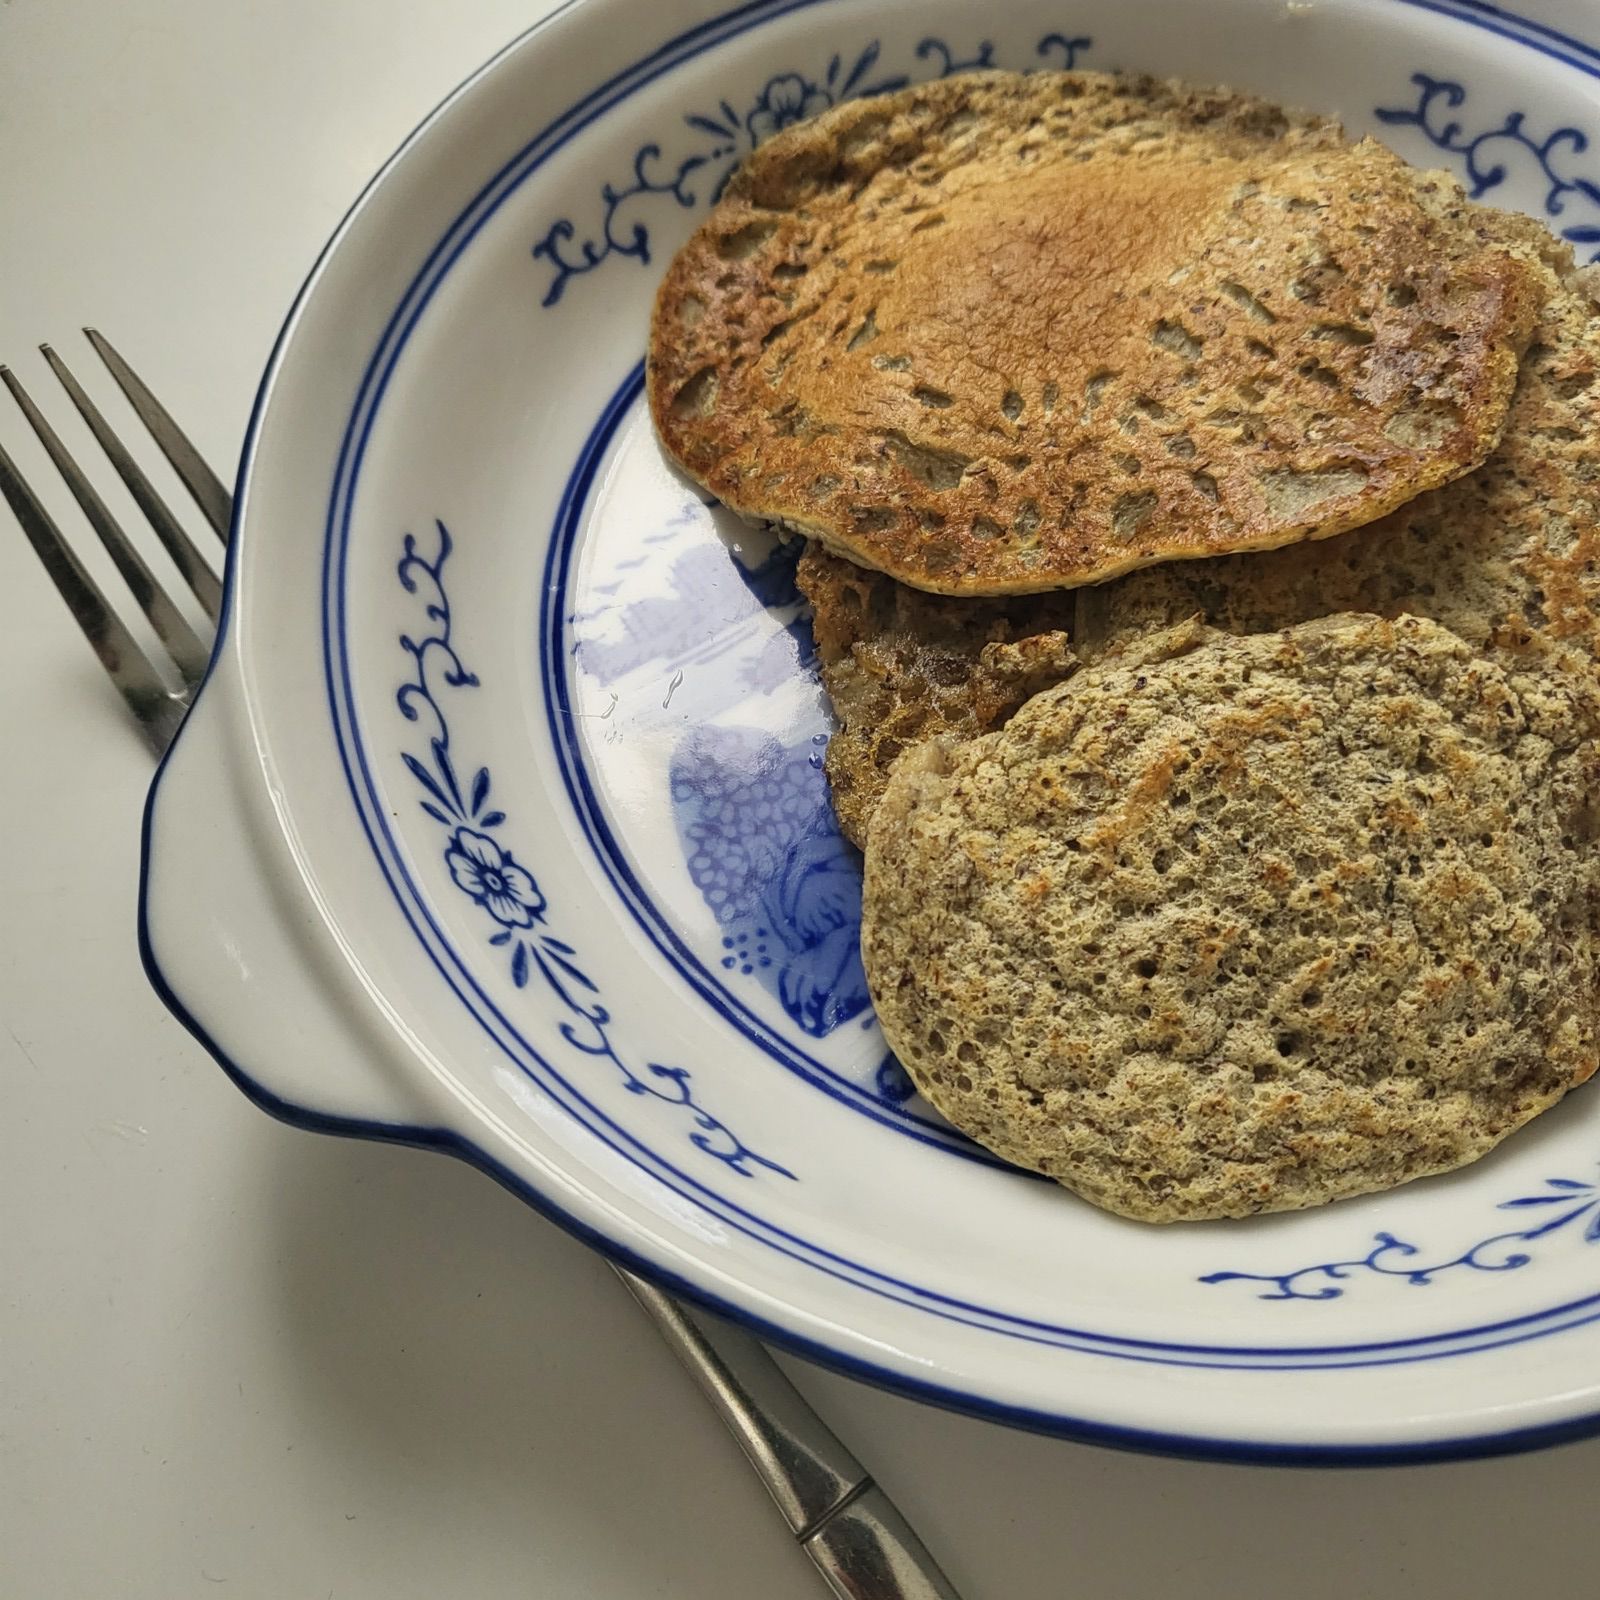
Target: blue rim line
(1538, 36)
(1478, 1445)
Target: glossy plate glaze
(500, 825)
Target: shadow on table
(444, 1331)
(451, 1340)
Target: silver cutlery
(859, 1541)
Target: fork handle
(853, 1533)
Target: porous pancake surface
(1236, 924)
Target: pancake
(1229, 924)
(900, 666)
(1000, 334)
(1506, 557)
(1509, 558)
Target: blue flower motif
(494, 881)
(787, 98)
(817, 891)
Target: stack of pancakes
(1203, 521)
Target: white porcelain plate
(500, 825)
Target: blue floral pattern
(1559, 1207)
(726, 135)
(763, 849)
(487, 873)
(488, 876)
(1484, 155)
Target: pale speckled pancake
(1004, 333)
(1234, 924)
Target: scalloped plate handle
(235, 946)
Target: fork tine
(158, 711)
(169, 530)
(188, 654)
(198, 478)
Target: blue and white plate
(501, 827)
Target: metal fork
(846, 1524)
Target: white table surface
(242, 1361)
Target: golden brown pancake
(1000, 333)
(1508, 557)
